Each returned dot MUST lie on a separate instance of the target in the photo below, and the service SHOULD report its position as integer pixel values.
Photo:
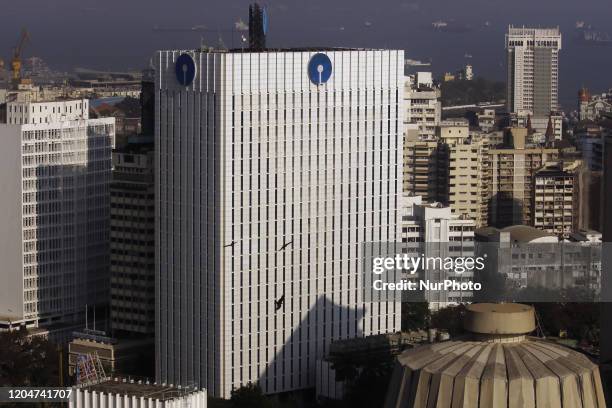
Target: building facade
(55, 210)
(423, 104)
(420, 167)
(533, 70)
(512, 169)
(556, 200)
(431, 229)
(132, 287)
(593, 107)
(273, 169)
(464, 184)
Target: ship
(592, 37)
(450, 27)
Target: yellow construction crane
(16, 61)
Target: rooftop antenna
(258, 27)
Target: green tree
(250, 396)
(450, 319)
(470, 92)
(415, 316)
(27, 361)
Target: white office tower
(54, 211)
(533, 70)
(273, 169)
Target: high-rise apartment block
(464, 179)
(420, 166)
(512, 170)
(273, 168)
(556, 199)
(423, 104)
(452, 170)
(55, 211)
(533, 70)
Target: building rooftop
(525, 233)
(288, 49)
(552, 170)
(139, 389)
(517, 233)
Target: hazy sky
(118, 34)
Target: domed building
(497, 366)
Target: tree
(369, 387)
(27, 361)
(471, 92)
(415, 316)
(450, 319)
(250, 396)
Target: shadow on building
(294, 364)
(69, 253)
(505, 210)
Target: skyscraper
(533, 70)
(55, 211)
(133, 241)
(273, 169)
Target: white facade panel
(62, 204)
(254, 157)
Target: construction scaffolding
(89, 369)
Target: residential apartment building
(464, 179)
(423, 104)
(420, 166)
(512, 170)
(556, 199)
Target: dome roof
(498, 367)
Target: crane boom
(16, 61)
(25, 36)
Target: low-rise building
(592, 107)
(531, 258)
(432, 229)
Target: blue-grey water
(118, 34)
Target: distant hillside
(469, 92)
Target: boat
(592, 37)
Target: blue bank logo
(185, 69)
(319, 69)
